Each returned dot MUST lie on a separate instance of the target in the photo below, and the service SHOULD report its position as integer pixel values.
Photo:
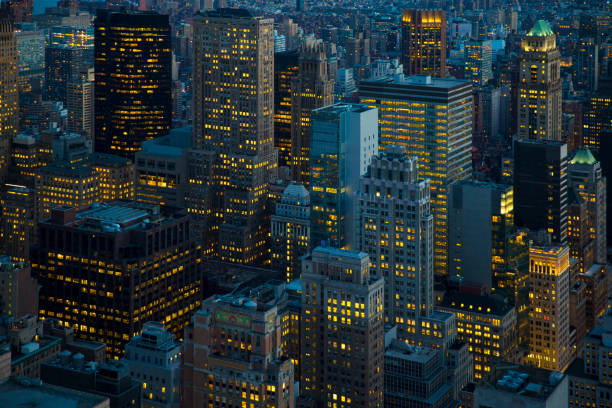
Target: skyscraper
(80, 104)
(343, 140)
(343, 332)
(478, 62)
(233, 78)
(8, 92)
(481, 218)
(540, 187)
(539, 99)
(424, 42)
(549, 343)
(18, 222)
(432, 119)
(396, 230)
(290, 231)
(286, 68)
(310, 89)
(585, 176)
(123, 264)
(133, 80)
(62, 65)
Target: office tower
(280, 44)
(8, 92)
(442, 158)
(589, 378)
(233, 351)
(480, 220)
(478, 62)
(549, 343)
(18, 222)
(311, 89)
(31, 67)
(344, 137)
(18, 291)
(424, 42)
(110, 379)
(74, 36)
(343, 330)
(395, 229)
(154, 359)
(357, 51)
(80, 104)
(540, 187)
(578, 236)
(132, 80)
(234, 119)
(488, 325)
(286, 68)
(414, 374)
(123, 264)
(585, 176)
(291, 231)
(62, 65)
(514, 385)
(539, 101)
(597, 119)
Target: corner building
(108, 269)
(233, 93)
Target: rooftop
(116, 214)
(171, 144)
(475, 304)
(540, 29)
(527, 381)
(345, 253)
(583, 156)
(344, 107)
(420, 80)
(32, 394)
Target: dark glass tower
(540, 187)
(133, 100)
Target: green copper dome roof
(540, 29)
(583, 156)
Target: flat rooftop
(526, 381)
(31, 395)
(418, 80)
(115, 214)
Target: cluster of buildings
(268, 204)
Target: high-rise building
(286, 68)
(62, 65)
(432, 119)
(132, 80)
(80, 104)
(290, 231)
(395, 229)
(480, 219)
(344, 137)
(18, 222)
(153, 358)
(549, 343)
(596, 293)
(424, 42)
(8, 92)
(540, 187)
(578, 237)
(343, 330)
(310, 89)
(233, 77)
(478, 62)
(233, 351)
(597, 119)
(31, 53)
(123, 264)
(585, 176)
(488, 325)
(539, 100)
